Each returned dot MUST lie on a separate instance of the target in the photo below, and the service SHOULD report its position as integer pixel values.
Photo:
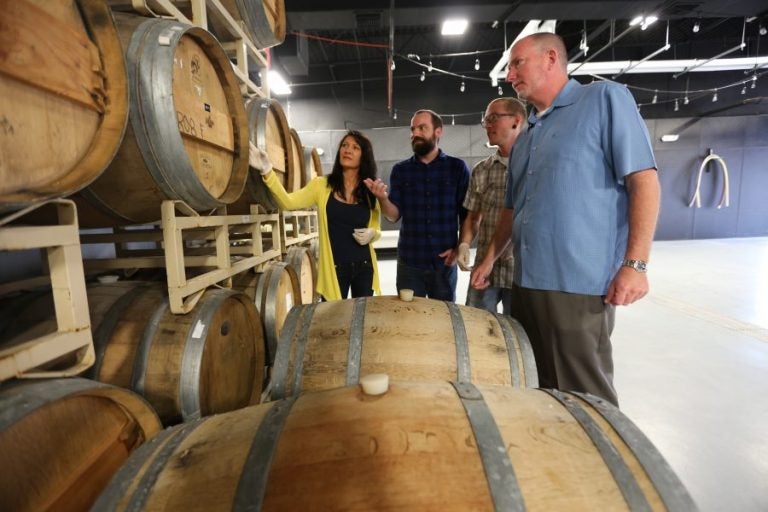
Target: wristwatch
(639, 265)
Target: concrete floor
(691, 365)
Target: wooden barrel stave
(61, 440)
(274, 293)
(303, 262)
(418, 340)
(296, 177)
(419, 446)
(270, 132)
(313, 167)
(41, 91)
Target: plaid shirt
(487, 188)
(429, 198)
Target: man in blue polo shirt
(582, 203)
(426, 192)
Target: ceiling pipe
(664, 48)
(670, 66)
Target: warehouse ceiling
(333, 45)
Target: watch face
(638, 265)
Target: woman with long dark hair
(349, 217)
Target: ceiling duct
(365, 20)
(294, 55)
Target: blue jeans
(489, 299)
(358, 276)
(437, 284)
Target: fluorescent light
(454, 27)
(636, 21)
(670, 137)
(277, 84)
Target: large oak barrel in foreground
(63, 98)
(188, 135)
(419, 446)
(61, 440)
(331, 344)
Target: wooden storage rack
(205, 239)
(297, 227)
(240, 49)
(67, 281)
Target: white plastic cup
(406, 294)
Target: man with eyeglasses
(504, 119)
(583, 199)
(427, 191)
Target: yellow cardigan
(317, 192)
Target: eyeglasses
(492, 118)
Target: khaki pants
(570, 336)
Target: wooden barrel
(188, 133)
(270, 132)
(296, 179)
(313, 167)
(274, 292)
(303, 262)
(331, 344)
(208, 361)
(263, 21)
(63, 98)
(418, 446)
(61, 440)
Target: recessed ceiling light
(277, 84)
(670, 137)
(454, 27)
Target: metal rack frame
(212, 234)
(302, 224)
(67, 280)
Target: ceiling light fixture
(501, 91)
(655, 96)
(714, 96)
(762, 30)
(696, 27)
(453, 120)
(670, 137)
(454, 27)
(429, 67)
(677, 105)
(423, 76)
(277, 84)
(643, 21)
(648, 21)
(463, 87)
(477, 64)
